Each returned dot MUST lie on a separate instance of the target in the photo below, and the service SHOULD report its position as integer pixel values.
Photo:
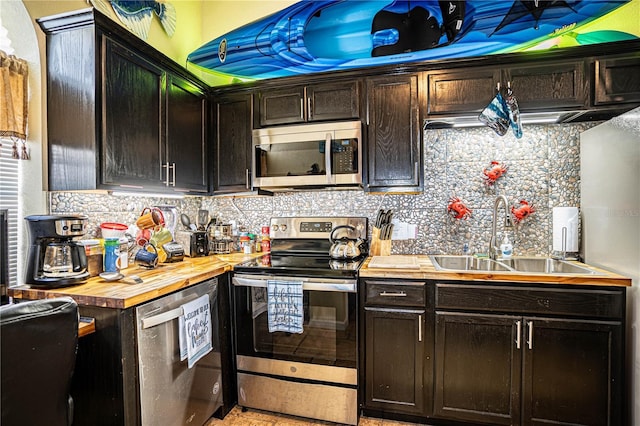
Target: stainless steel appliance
(313, 373)
(309, 155)
(171, 393)
(55, 259)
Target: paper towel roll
(565, 217)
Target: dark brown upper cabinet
(556, 85)
(317, 102)
(617, 80)
(394, 142)
(233, 142)
(121, 115)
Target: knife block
(379, 247)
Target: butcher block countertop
(164, 279)
(421, 267)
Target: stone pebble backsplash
(543, 168)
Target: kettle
(345, 247)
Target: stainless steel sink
(529, 265)
(466, 263)
(545, 265)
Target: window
(9, 207)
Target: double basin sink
(525, 265)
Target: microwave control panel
(344, 156)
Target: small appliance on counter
(174, 251)
(194, 243)
(55, 259)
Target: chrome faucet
(493, 247)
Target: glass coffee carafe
(58, 260)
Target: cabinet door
(460, 91)
(394, 135)
(555, 85)
(394, 360)
(282, 106)
(186, 167)
(477, 368)
(617, 80)
(572, 372)
(132, 95)
(233, 143)
(333, 101)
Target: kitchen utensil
(186, 222)
(150, 218)
(117, 276)
(145, 258)
(170, 214)
(113, 229)
(202, 219)
(345, 247)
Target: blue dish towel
(284, 306)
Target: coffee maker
(55, 260)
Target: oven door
(329, 323)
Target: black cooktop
(301, 265)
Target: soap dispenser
(506, 248)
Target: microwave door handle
(327, 156)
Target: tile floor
(253, 417)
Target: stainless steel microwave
(308, 155)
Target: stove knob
(283, 228)
(274, 227)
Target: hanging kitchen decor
(457, 209)
(503, 113)
(14, 74)
(524, 211)
(496, 114)
(494, 172)
(137, 15)
(514, 112)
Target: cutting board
(394, 262)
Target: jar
(111, 254)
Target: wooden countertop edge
(428, 272)
(157, 282)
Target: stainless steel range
(295, 315)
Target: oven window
(329, 329)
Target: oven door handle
(348, 286)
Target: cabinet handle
(301, 109)
(393, 294)
(173, 172)
(518, 332)
(419, 328)
(415, 171)
(166, 174)
(327, 156)
(530, 336)
(309, 109)
(247, 179)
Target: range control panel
(313, 227)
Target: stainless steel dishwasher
(171, 393)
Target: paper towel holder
(563, 254)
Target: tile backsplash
(543, 169)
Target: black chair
(38, 343)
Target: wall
(543, 168)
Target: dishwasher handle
(162, 318)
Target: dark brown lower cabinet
(395, 360)
(502, 365)
(397, 337)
